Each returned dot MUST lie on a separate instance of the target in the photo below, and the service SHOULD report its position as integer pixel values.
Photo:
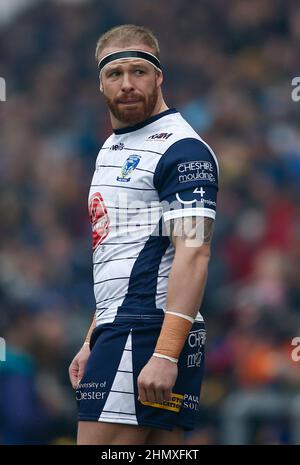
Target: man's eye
(114, 74)
(139, 72)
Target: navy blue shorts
(108, 391)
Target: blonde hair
(125, 36)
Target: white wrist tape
(171, 359)
(186, 317)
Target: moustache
(131, 99)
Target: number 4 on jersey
(200, 191)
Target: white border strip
(207, 212)
(181, 315)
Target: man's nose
(126, 83)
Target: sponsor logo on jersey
(160, 136)
(211, 203)
(195, 171)
(128, 166)
(99, 219)
(196, 341)
(90, 391)
(191, 402)
(117, 146)
(174, 404)
(200, 191)
(197, 338)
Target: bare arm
(77, 366)
(191, 238)
(187, 280)
(91, 329)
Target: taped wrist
(174, 332)
(171, 359)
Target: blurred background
(228, 68)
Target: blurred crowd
(228, 70)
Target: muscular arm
(191, 238)
(187, 279)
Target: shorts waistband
(137, 313)
(140, 313)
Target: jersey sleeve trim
(207, 212)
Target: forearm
(187, 282)
(91, 329)
(185, 292)
(77, 366)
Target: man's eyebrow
(112, 68)
(118, 66)
(138, 63)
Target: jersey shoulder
(185, 145)
(168, 130)
(178, 137)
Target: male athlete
(152, 205)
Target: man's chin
(131, 117)
(132, 113)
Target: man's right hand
(156, 380)
(77, 366)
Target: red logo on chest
(99, 218)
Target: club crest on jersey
(128, 166)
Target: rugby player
(152, 205)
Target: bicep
(191, 232)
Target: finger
(167, 395)
(79, 375)
(77, 383)
(142, 394)
(151, 396)
(81, 371)
(159, 395)
(73, 375)
(74, 382)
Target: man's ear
(160, 78)
(100, 84)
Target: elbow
(195, 255)
(202, 258)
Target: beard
(134, 113)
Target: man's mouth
(128, 99)
(129, 102)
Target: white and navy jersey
(145, 175)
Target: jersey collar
(145, 122)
